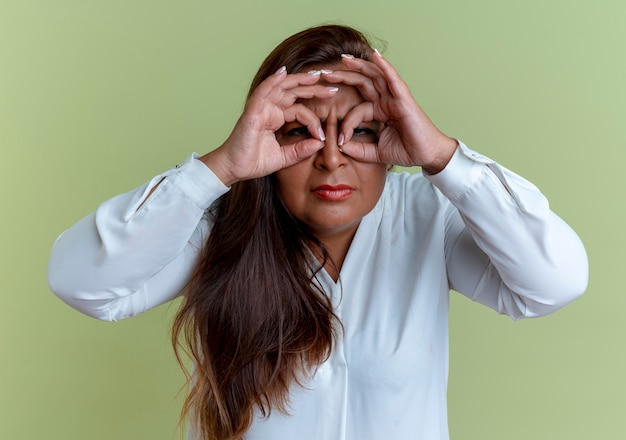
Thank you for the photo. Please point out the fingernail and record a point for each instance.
(340, 150)
(321, 134)
(347, 55)
(340, 140)
(314, 72)
(281, 70)
(377, 53)
(326, 71)
(332, 89)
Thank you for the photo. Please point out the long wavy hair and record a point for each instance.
(253, 320)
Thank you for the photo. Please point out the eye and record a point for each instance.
(363, 131)
(298, 132)
(366, 134)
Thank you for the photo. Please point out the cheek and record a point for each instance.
(290, 183)
(374, 179)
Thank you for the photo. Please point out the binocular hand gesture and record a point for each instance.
(252, 150)
(408, 137)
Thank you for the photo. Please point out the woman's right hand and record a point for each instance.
(252, 149)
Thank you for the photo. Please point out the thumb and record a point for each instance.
(294, 153)
(363, 152)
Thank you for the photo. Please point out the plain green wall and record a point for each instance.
(98, 96)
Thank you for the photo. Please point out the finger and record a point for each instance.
(363, 83)
(396, 84)
(290, 96)
(364, 147)
(368, 69)
(363, 112)
(299, 151)
(394, 87)
(282, 81)
(362, 151)
(302, 78)
(305, 116)
(270, 82)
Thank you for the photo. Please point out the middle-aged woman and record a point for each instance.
(315, 281)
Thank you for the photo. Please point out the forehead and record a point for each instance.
(344, 100)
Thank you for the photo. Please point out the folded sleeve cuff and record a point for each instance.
(463, 170)
(197, 182)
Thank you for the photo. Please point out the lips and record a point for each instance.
(333, 192)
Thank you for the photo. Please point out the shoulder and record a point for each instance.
(409, 199)
(406, 188)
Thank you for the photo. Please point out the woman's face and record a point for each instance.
(330, 192)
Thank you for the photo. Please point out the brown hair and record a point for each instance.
(253, 319)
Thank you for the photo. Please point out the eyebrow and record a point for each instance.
(340, 121)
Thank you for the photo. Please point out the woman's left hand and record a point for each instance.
(408, 137)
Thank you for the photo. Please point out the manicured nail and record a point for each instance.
(321, 134)
(340, 150)
(340, 140)
(377, 53)
(314, 72)
(332, 89)
(281, 70)
(347, 55)
(326, 71)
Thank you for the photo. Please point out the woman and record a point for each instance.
(315, 282)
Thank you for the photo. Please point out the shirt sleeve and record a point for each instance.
(505, 248)
(137, 250)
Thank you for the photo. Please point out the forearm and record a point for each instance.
(117, 251)
(534, 264)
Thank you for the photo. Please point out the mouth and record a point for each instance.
(332, 192)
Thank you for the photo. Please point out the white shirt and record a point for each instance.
(475, 227)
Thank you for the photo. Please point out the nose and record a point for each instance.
(330, 156)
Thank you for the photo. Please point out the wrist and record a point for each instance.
(445, 151)
(218, 164)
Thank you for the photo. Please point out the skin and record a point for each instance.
(329, 191)
(334, 106)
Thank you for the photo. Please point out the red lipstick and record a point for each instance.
(333, 193)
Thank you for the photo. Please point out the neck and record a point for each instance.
(337, 246)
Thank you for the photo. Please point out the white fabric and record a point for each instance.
(475, 227)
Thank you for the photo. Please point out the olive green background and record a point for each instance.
(98, 96)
